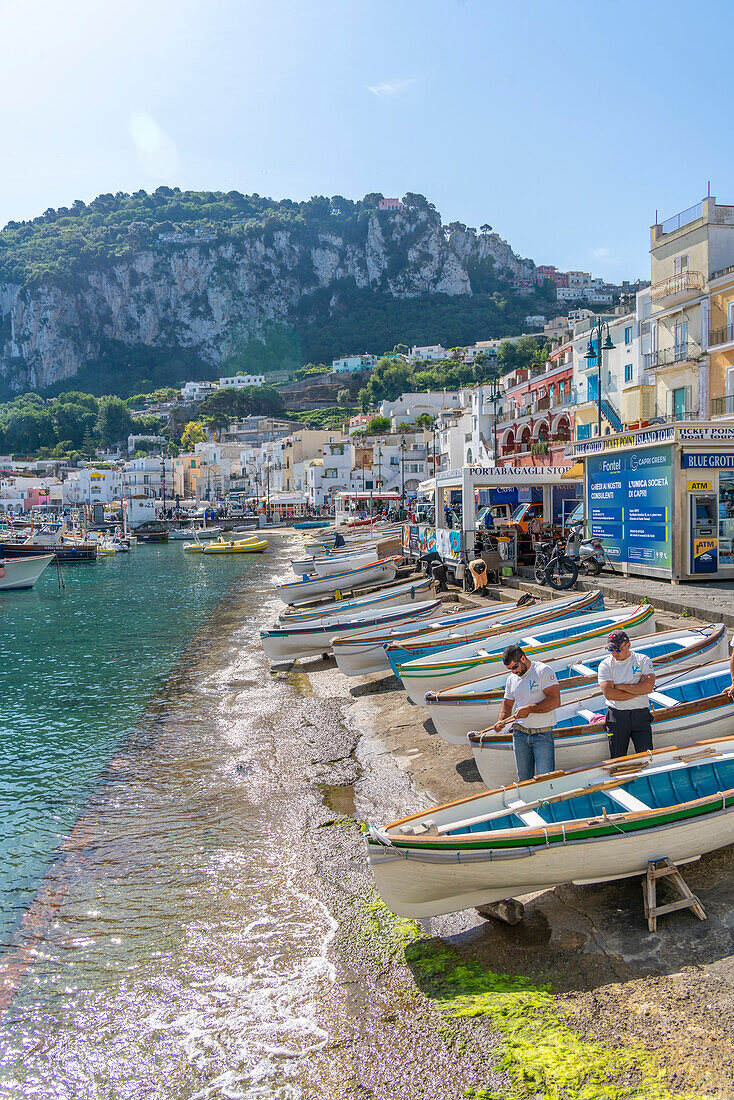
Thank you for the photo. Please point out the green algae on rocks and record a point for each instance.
(542, 1055)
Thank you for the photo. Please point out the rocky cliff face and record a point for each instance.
(211, 296)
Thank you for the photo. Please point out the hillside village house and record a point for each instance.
(350, 363)
(196, 391)
(237, 381)
(409, 406)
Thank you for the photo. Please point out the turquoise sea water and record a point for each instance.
(78, 666)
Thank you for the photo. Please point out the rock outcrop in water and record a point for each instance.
(211, 290)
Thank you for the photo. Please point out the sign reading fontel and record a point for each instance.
(630, 499)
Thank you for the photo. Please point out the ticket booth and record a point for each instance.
(547, 484)
(662, 500)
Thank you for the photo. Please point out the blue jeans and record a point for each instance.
(535, 753)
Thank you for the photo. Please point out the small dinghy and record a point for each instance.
(487, 622)
(684, 707)
(287, 643)
(469, 662)
(379, 572)
(475, 705)
(585, 826)
(357, 656)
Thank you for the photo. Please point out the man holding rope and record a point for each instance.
(531, 697)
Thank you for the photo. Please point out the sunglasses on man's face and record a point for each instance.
(515, 667)
(616, 648)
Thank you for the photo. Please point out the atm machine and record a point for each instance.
(703, 532)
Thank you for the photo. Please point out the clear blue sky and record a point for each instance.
(564, 125)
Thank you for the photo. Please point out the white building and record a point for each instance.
(92, 486)
(409, 406)
(218, 464)
(196, 391)
(237, 381)
(144, 477)
(133, 440)
(430, 351)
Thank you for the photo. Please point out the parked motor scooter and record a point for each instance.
(588, 552)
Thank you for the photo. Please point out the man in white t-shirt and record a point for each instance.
(626, 679)
(532, 695)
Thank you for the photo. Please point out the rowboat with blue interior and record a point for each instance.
(288, 643)
(475, 705)
(468, 662)
(383, 597)
(684, 707)
(332, 563)
(585, 826)
(379, 572)
(366, 652)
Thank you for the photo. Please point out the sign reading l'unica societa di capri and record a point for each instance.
(630, 499)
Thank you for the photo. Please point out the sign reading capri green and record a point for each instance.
(630, 498)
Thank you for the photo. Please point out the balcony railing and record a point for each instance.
(722, 406)
(680, 353)
(721, 335)
(686, 282)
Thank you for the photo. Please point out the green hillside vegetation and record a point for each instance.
(76, 423)
(72, 424)
(59, 243)
(390, 377)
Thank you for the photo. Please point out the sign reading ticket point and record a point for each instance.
(630, 499)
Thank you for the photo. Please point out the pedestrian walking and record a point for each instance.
(626, 679)
(532, 696)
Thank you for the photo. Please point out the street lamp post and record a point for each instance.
(403, 445)
(597, 333)
(494, 395)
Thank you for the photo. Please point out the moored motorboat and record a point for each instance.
(290, 642)
(684, 707)
(475, 705)
(573, 635)
(584, 826)
(23, 572)
(179, 534)
(347, 581)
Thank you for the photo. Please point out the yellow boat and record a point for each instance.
(222, 543)
(249, 547)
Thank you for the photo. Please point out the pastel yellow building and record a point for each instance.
(686, 252)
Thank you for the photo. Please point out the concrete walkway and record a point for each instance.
(713, 601)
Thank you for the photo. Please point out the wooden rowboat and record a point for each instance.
(363, 576)
(422, 644)
(467, 662)
(475, 705)
(368, 651)
(585, 826)
(289, 642)
(384, 597)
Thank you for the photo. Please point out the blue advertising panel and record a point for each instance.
(630, 500)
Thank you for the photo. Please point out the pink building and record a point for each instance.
(356, 423)
(391, 204)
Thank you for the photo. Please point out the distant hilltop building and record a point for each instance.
(195, 391)
(236, 381)
(391, 204)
